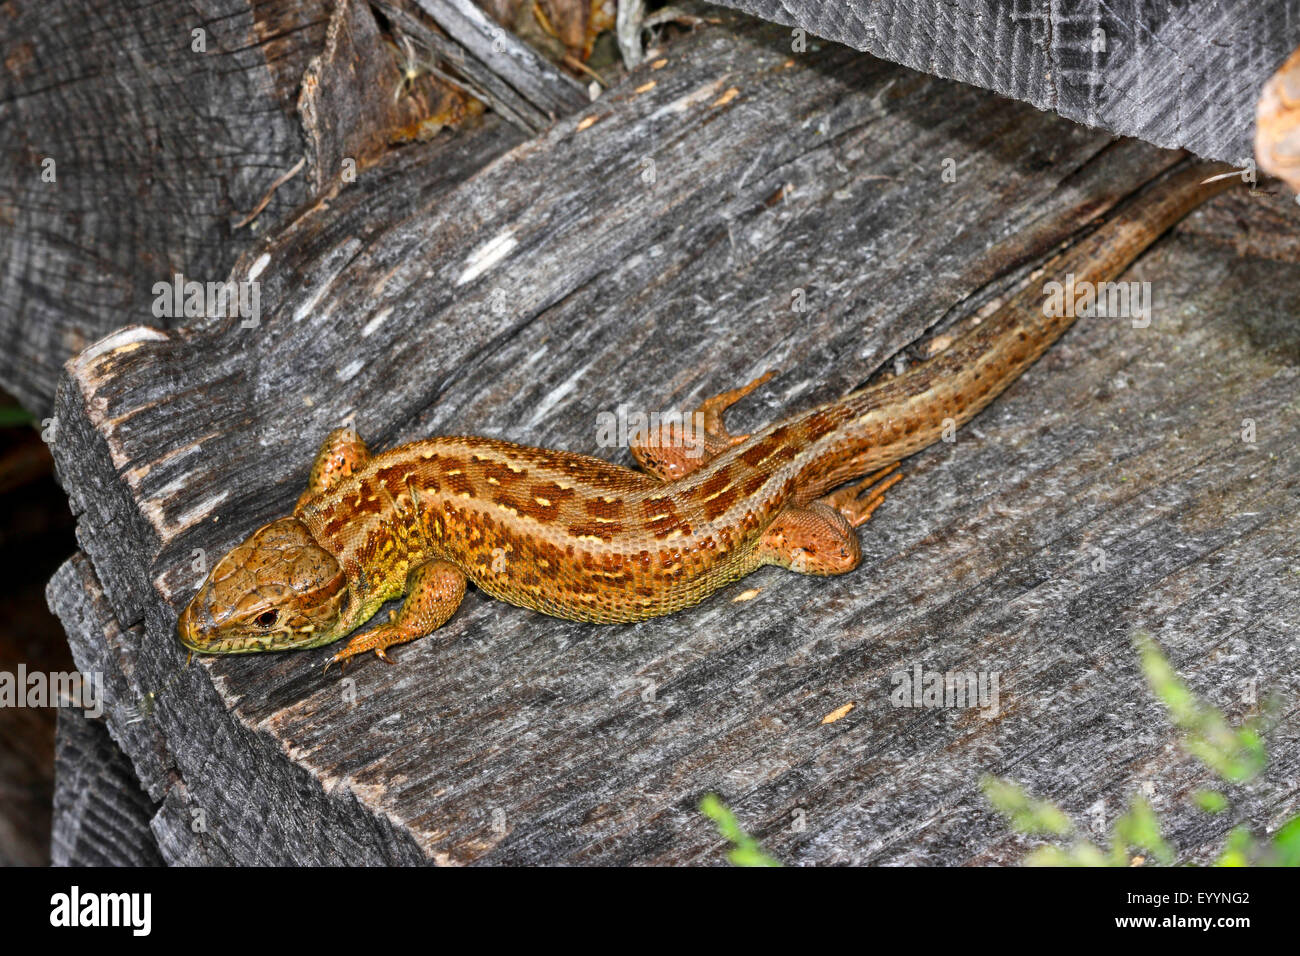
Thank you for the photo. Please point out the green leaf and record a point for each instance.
(1211, 801)
(745, 851)
(1235, 755)
(1139, 828)
(1239, 849)
(1027, 814)
(1286, 843)
(12, 416)
(1079, 854)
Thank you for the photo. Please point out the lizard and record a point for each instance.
(582, 538)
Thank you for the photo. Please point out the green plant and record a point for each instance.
(12, 416)
(745, 850)
(1235, 754)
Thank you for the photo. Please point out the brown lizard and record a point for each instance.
(581, 538)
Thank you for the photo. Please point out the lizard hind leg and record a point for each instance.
(433, 592)
(811, 539)
(341, 453)
(672, 451)
(858, 502)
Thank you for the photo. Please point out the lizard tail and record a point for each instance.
(884, 423)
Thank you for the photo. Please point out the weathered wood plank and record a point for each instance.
(1175, 74)
(150, 139)
(101, 816)
(205, 824)
(648, 251)
(138, 193)
(486, 42)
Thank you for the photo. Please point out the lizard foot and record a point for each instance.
(375, 639)
(673, 451)
(858, 502)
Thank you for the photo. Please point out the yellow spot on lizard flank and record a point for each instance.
(465, 494)
(544, 502)
(607, 520)
(645, 87)
(838, 712)
(587, 122)
(493, 481)
(746, 595)
(562, 485)
(456, 471)
(513, 467)
(726, 97)
(675, 533)
(589, 537)
(608, 499)
(725, 487)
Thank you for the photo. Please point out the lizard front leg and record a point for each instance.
(342, 453)
(670, 452)
(433, 592)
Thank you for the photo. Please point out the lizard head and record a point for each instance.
(277, 590)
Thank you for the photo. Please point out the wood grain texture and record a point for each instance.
(168, 159)
(101, 816)
(653, 247)
(1175, 73)
(503, 56)
(158, 149)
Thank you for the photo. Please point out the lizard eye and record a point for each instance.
(267, 618)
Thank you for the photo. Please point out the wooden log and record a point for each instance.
(101, 816)
(1180, 75)
(136, 194)
(648, 251)
(154, 139)
(503, 56)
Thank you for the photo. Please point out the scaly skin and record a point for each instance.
(581, 538)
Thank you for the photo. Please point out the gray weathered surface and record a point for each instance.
(1172, 72)
(170, 160)
(101, 816)
(157, 151)
(475, 37)
(511, 737)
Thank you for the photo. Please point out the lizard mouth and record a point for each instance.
(198, 631)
